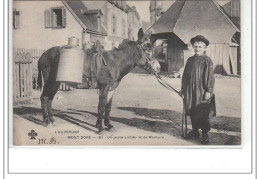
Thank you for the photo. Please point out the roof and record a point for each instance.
(78, 10)
(233, 21)
(186, 19)
(168, 20)
(146, 25)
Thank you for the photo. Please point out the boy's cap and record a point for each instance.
(199, 38)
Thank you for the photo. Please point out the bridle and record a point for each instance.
(149, 62)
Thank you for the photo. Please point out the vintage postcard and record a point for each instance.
(126, 73)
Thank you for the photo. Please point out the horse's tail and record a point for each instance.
(39, 80)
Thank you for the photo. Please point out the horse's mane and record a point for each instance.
(126, 44)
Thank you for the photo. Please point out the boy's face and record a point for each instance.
(199, 47)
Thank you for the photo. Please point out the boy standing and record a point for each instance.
(197, 89)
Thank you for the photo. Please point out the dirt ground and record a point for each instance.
(143, 113)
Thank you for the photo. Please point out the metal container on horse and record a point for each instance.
(71, 64)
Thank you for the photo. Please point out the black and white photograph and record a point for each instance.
(126, 73)
(129, 87)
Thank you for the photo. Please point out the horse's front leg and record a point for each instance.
(52, 93)
(101, 107)
(108, 109)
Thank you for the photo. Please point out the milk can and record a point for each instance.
(71, 63)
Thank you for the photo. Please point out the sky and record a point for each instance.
(143, 8)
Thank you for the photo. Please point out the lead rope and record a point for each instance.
(184, 117)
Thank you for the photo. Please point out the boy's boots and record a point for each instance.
(205, 137)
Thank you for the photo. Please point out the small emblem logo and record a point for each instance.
(32, 134)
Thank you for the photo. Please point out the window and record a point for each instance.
(55, 18)
(99, 23)
(114, 24)
(16, 19)
(123, 28)
(235, 9)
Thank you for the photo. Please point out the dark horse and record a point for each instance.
(119, 62)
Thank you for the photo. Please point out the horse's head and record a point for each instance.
(147, 60)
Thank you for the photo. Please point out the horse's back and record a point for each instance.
(49, 57)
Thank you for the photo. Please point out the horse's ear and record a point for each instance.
(140, 35)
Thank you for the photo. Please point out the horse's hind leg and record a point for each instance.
(49, 90)
(108, 109)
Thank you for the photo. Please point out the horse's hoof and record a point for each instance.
(110, 128)
(101, 133)
(100, 130)
(99, 127)
(53, 124)
(46, 122)
(51, 120)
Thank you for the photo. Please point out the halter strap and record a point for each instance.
(140, 48)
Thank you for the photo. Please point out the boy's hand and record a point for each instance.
(207, 95)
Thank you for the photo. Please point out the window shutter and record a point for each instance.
(238, 9)
(64, 19)
(235, 11)
(54, 19)
(232, 9)
(16, 19)
(47, 15)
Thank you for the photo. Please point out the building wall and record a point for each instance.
(32, 32)
(227, 6)
(155, 7)
(115, 38)
(106, 21)
(133, 24)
